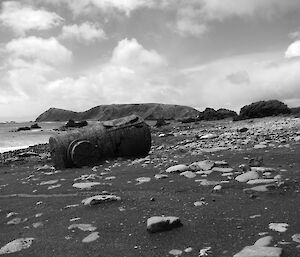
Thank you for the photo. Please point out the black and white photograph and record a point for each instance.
(150, 128)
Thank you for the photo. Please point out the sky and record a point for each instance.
(75, 54)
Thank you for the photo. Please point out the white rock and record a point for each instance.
(259, 251)
(98, 199)
(177, 168)
(162, 223)
(247, 176)
(175, 252)
(261, 181)
(188, 174)
(91, 237)
(259, 146)
(279, 227)
(209, 136)
(83, 227)
(202, 165)
(16, 245)
(143, 180)
(49, 182)
(217, 188)
(262, 169)
(296, 238)
(223, 170)
(160, 176)
(86, 185)
(264, 241)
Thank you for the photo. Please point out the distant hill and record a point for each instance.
(295, 110)
(149, 111)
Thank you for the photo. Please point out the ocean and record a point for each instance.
(10, 140)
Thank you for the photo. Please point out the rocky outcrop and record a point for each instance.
(212, 114)
(149, 111)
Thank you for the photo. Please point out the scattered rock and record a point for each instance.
(83, 227)
(264, 241)
(91, 237)
(247, 176)
(98, 199)
(279, 227)
(162, 223)
(259, 251)
(16, 245)
(86, 185)
(202, 165)
(177, 168)
(175, 252)
(188, 174)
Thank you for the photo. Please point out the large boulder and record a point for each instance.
(263, 109)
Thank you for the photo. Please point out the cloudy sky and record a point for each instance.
(75, 54)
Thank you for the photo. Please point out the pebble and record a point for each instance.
(98, 199)
(259, 251)
(91, 237)
(296, 238)
(259, 146)
(162, 223)
(209, 136)
(264, 241)
(223, 170)
(188, 174)
(279, 227)
(175, 252)
(177, 168)
(247, 176)
(86, 185)
(142, 180)
(83, 227)
(16, 245)
(202, 165)
(160, 176)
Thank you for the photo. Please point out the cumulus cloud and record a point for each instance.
(293, 50)
(35, 48)
(23, 18)
(86, 32)
(267, 76)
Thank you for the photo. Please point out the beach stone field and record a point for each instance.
(216, 189)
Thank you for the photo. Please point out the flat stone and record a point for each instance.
(222, 164)
(175, 252)
(202, 165)
(160, 176)
(261, 181)
(177, 168)
(259, 251)
(91, 237)
(263, 169)
(83, 227)
(223, 170)
(247, 176)
(259, 146)
(279, 227)
(86, 185)
(188, 174)
(162, 223)
(264, 241)
(98, 199)
(16, 245)
(209, 136)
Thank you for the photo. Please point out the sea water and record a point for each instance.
(12, 140)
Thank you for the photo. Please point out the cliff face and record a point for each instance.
(149, 111)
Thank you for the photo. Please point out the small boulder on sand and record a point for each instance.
(162, 223)
(247, 176)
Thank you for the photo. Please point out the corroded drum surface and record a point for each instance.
(126, 137)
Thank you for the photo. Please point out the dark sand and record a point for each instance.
(224, 223)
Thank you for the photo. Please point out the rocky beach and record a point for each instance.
(207, 188)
